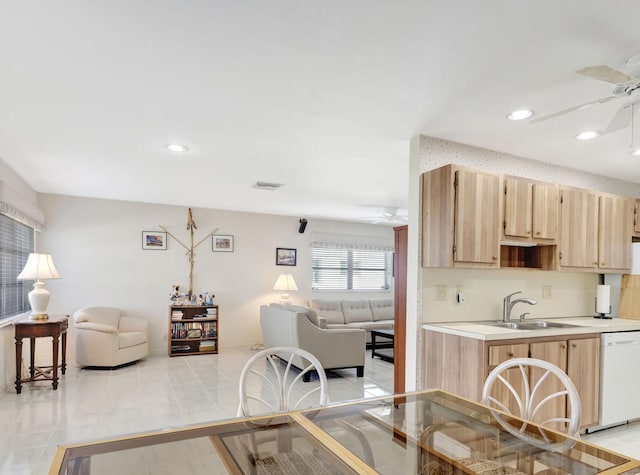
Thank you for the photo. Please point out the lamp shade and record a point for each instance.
(39, 266)
(285, 282)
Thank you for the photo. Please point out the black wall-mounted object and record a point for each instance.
(303, 225)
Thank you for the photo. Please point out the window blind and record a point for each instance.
(16, 242)
(349, 269)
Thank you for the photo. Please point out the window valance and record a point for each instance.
(352, 241)
(16, 207)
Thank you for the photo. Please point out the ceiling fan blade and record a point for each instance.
(622, 117)
(571, 109)
(606, 74)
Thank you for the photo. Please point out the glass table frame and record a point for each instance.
(416, 431)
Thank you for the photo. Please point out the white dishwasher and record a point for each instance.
(619, 377)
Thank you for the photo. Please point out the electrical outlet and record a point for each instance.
(546, 292)
(459, 294)
(441, 292)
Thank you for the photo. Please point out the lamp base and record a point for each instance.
(285, 299)
(39, 299)
(38, 316)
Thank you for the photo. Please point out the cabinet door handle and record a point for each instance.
(573, 345)
(563, 346)
(510, 355)
(603, 263)
(528, 232)
(494, 258)
(537, 233)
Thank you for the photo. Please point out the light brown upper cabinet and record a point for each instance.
(614, 233)
(460, 218)
(595, 231)
(578, 249)
(530, 211)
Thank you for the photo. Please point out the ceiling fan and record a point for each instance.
(625, 86)
(389, 215)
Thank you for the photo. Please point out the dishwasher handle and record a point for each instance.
(624, 342)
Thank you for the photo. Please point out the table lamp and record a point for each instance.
(39, 266)
(285, 282)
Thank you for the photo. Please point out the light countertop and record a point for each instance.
(583, 325)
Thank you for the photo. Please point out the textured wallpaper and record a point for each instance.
(435, 153)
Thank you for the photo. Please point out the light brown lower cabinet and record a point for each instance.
(583, 367)
(460, 365)
(500, 354)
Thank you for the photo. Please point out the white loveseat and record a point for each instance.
(299, 327)
(105, 337)
(367, 314)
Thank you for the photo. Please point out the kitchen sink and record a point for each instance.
(530, 325)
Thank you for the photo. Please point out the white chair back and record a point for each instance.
(276, 387)
(529, 386)
(103, 315)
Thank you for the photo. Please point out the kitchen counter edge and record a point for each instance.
(584, 325)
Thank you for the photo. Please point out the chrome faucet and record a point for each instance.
(508, 304)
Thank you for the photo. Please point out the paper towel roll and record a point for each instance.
(603, 299)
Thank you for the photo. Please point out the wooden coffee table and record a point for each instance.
(384, 350)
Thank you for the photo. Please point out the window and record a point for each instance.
(350, 269)
(16, 242)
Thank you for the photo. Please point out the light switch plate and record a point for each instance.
(441, 292)
(546, 292)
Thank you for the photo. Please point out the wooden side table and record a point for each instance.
(54, 327)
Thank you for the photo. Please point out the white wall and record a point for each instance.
(572, 294)
(17, 193)
(96, 246)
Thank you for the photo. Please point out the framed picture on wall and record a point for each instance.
(285, 256)
(222, 243)
(154, 240)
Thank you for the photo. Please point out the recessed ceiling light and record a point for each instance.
(520, 114)
(176, 147)
(589, 134)
(636, 152)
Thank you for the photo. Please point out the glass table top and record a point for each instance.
(429, 432)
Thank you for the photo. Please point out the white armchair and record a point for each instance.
(105, 337)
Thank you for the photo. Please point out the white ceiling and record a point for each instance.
(321, 96)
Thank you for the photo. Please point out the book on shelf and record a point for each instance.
(180, 347)
(207, 345)
(176, 315)
(212, 311)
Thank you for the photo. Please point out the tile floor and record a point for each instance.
(155, 393)
(164, 392)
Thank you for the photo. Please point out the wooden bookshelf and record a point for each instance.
(193, 329)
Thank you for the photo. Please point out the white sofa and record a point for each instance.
(367, 314)
(299, 327)
(106, 338)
